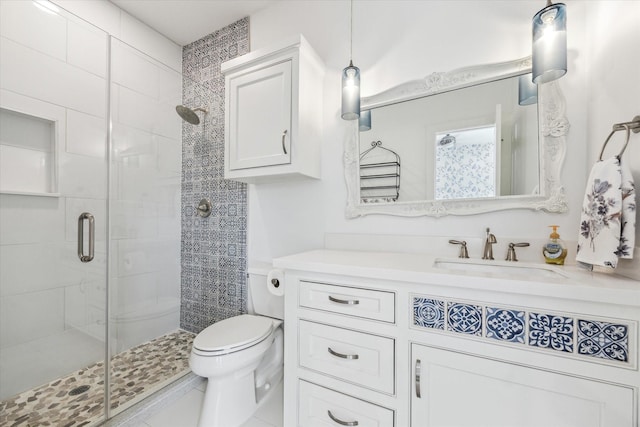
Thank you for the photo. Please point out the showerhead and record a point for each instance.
(189, 115)
(446, 140)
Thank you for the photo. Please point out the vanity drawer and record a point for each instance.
(367, 303)
(356, 357)
(320, 406)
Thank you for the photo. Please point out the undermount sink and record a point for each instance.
(505, 268)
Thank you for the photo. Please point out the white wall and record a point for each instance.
(614, 89)
(394, 42)
(118, 23)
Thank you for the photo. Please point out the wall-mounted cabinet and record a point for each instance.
(273, 113)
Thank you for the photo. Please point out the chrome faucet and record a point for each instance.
(463, 248)
(511, 252)
(487, 252)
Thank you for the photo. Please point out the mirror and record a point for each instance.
(458, 143)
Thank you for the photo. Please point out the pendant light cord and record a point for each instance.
(351, 34)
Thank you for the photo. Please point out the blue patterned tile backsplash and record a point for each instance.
(465, 318)
(603, 339)
(595, 340)
(214, 249)
(550, 331)
(428, 313)
(506, 325)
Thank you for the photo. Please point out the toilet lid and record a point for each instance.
(234, 332)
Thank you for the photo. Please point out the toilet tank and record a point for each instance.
(261, 301)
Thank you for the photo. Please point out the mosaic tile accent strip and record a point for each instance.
(603, 339)
(549, 331)
(598, 340)
(465, 318)
(505, 325)
(428, 313)
(214, 249)
(136, 373)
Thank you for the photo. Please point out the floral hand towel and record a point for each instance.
(607, 223)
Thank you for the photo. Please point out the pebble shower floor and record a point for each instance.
(135, 372)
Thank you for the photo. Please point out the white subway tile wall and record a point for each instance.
(54, 65)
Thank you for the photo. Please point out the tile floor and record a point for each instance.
(136, 373)
(184, 411)
(29, 365)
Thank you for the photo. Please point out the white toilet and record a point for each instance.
(242, 358)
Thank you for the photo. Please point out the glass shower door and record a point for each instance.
(53, 215)
(146, 348)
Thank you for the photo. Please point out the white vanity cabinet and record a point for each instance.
(384, 340)
(273, 113)
(457, 389)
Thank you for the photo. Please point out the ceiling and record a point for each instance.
(185, 21)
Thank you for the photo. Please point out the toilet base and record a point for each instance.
(228, 402)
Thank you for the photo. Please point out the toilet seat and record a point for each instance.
(233, 334)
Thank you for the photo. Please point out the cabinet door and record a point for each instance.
(260, 117)
(468, 391)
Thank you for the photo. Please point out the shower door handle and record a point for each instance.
(92, 234)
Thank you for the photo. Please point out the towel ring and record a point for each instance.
(624, 147)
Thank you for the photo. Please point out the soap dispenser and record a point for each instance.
(554, 251)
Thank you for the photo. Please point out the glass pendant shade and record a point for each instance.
(351, 92)
(364, 121)
(527, 90)
(549, 43)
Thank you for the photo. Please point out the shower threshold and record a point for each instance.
(77, 399)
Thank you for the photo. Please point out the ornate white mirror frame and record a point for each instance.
(552, 128)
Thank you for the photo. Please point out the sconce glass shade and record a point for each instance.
(527, 90)
(364, 121)
(549, 43)
(351, 92)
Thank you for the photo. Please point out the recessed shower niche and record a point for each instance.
(27, 154)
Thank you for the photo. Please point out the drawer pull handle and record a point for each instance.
(339, 421)
(344, 301)
(418, 394)
(343, 356)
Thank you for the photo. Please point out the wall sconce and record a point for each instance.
(549, 43)
(364, 121)
(527, 90)
(351, 83)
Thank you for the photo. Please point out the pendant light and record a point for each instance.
(364, 121)
(549, 43)
(527, 90)
(351, 83)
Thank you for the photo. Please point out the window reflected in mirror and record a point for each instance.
(465, 163)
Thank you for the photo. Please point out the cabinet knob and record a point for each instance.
(284, 147)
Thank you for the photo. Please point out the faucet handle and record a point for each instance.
(511, 252)
(463, 248)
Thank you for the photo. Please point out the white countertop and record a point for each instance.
(571, 283)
